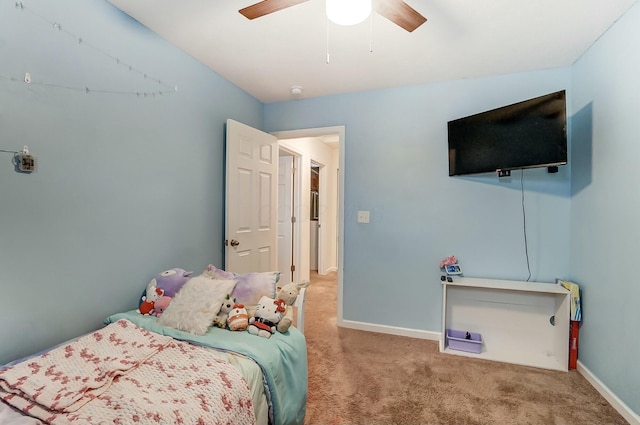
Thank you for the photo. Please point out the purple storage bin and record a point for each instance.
(457, 341)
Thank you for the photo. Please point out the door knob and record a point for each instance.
(234, 242)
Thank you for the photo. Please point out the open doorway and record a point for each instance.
(317, 223)
(314, 217)
(317, 150)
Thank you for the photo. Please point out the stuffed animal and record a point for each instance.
(289, 293)
(171, 281)
(161, 305)
(227, 305)
(215, 273)
(149, 299)
(265, 320)
(238, 318)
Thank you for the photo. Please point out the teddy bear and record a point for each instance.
(238, 318)
(148, 300)
(265, 320)
(289, 293)
(161, 305)
(227, 305)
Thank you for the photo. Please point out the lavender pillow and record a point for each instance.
(250, 287)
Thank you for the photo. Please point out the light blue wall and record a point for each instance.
(127, 186)
(396, 167)
(605, 206)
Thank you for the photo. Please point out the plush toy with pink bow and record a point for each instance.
(451, 268)
(448, 261)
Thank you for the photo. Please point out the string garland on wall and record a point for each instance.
(163, 88)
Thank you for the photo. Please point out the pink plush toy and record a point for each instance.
(448, 261)
(161, 305)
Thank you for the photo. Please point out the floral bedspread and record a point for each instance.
(124, 374)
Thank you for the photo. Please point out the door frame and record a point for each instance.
(296, 208)
(316, 132)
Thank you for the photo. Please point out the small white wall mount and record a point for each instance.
(27, 78)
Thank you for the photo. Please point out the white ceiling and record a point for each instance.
(461, 39)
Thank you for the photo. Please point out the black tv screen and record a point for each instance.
(528, 134)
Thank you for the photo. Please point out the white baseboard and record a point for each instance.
(613, 399)
(391, 330)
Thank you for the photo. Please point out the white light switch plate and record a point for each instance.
(363, 216)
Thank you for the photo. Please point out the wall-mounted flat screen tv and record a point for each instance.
(528, 134)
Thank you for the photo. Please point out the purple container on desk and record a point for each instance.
(457, 341)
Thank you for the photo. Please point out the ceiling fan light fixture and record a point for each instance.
(348, 12)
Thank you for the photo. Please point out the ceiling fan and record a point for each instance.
(397, 11)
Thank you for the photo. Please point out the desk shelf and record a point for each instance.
(514, 318)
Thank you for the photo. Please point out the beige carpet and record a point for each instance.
(366, 378)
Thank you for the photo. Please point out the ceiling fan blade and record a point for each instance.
(267, 6)
(400, 13)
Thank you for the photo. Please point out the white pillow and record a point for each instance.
(196, 304)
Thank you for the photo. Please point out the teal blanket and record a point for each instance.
(282, 358)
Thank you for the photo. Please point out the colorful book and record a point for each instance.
(574, 289)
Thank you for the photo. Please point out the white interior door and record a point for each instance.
(285, 219)
(251, 199)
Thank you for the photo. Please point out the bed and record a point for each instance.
(136, 371)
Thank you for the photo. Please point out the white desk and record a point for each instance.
(513, 317)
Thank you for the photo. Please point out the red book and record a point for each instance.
(573, 344)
